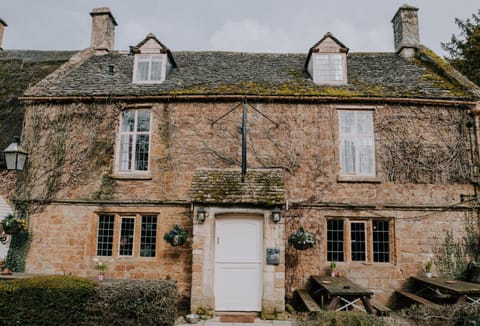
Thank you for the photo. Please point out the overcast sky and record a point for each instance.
(247, 25)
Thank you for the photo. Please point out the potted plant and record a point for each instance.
(102, 267)
(12, 225)
(333, 267)
(301, 239)
(176, 236)
(428, 268)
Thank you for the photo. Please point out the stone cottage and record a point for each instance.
(374, 153)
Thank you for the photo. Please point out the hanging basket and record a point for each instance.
(11, 230)
(177, 240)
(302, 246)
(176, 236)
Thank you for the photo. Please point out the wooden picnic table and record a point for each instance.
(340, 291)
(439, 288)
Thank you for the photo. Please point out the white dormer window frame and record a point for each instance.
(330, 68)
(149, 68)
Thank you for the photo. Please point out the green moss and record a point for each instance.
(106, 189)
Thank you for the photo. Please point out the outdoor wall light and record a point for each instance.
(201, 214)
(15, 155)
(276, 215)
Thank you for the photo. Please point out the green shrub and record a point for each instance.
(44, 300)
(134, 302)
(341, 318)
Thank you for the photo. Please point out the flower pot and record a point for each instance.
(302, 246)
(101, 277)
(333, 273)
(11, 230)
(428, 274)
(177, 241)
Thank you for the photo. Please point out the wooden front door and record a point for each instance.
(238, 263)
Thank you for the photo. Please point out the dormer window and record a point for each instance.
(148, 68)
(153, 61)
(327, 61)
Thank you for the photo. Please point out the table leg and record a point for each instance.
(333, 304)
(367, 305)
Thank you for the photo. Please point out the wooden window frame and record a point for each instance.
(347, 244)
(117, 224)
(150, 56)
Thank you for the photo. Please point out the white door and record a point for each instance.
(238, 263)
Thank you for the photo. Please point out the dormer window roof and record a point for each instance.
(153, 61)
(327, 61)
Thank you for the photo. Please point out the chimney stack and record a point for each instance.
(3, 24)
(405, 31)
(103, 30)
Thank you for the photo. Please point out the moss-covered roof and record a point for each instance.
(260, 187)
(18, 71)
(232, 73)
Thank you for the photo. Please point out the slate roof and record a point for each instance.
(235, 73)
(20, 69)
(260, 187)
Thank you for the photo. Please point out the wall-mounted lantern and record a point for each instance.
(201, 215)
(15, 155)
(276, 215)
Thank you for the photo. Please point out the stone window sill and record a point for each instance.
(131, 176)
(357, 179)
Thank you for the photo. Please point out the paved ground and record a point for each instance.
(258, 322)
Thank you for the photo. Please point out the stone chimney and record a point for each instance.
(3, 24)
(103, 30)
(405, 31)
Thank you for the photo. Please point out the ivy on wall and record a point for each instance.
(17, 252)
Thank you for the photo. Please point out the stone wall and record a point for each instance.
(72, 160)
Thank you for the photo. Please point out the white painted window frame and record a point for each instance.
(134, 133)
(330, 67)
(150, 57)
(357, 139)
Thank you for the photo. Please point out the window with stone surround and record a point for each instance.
(133, 235)
(359, 240)
(357, 145)
(133, 148)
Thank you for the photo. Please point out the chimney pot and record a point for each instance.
(3, 24)
(405, 31)
(103, 30)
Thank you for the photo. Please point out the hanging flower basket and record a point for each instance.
(12, 225)
(301, 239)
(176, 236)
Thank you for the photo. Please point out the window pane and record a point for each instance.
(128, 120)
(336, 67)
(156, 68)
(348, 156)
(126, 142)
(365, 155)
(127, 236)
(335, 250)
(105, 235)
(357, 231)
(142, 69)
(148, 239)
(143, 123)
(381, 241)
(329, 67)
(364, 123)
(141, 153)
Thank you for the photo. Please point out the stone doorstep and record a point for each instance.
(256, 322)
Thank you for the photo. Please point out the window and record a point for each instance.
(117, 235)
(134, 144)
(329, 68)
(148, 68)
(358, 240)
(357, 153)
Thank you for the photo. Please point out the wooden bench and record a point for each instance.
(381, 309)
(415, 298)
(308, 300)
